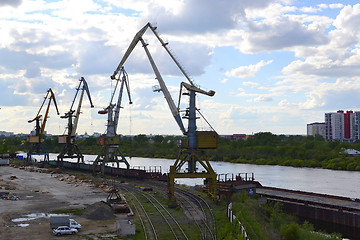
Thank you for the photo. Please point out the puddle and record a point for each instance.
(36, 215)
(22, 219)
(29, 217)
(23, 225)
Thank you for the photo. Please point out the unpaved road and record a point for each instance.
(42, 193)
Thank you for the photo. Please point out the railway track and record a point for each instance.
(195, 208)
(200, 212)
(156, 220)
(153, 212)
(145, 220)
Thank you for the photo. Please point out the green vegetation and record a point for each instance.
(224, 229)
(297, 151)
(267, 221)
(264, 148)
(75, 211)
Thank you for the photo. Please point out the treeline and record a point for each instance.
(264, 148)
(138, 146)
(297, 151)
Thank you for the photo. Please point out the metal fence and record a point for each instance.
(232, 217)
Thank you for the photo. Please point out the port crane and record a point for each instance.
(70, 149)
(110, 141)
(37, 147)
(194, 142)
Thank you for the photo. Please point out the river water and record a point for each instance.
(333, 182)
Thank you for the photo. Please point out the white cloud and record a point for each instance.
(247, 71)
(309, 9)
(12, 3)
(224, 80)
(336, 5)
(263, 99)
(337, 58)
(250, 84)
(51, 44)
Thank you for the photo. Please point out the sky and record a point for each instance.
(275, 65)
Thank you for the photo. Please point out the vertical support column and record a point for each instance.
(192, 132)
(171, 183)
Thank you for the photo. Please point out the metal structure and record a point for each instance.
(70, 149)
(37, 147)
(110, 142)
(194, 142)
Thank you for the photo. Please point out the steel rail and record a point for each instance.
(161, 213)
(188, 206)
(175, 221)
(212, 220)
(141, 220)
(143, 209)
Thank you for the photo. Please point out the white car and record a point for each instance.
(62, 230)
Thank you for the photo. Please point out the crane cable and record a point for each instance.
(130, 128)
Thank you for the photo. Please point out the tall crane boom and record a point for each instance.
(175, 111)
(110, 142)
(138, 37)
(85, 88)
(37, 148)
(125, 83)
(164, 44)
(191, 148)
(130, 49)
(113, 121)
(70, 149)
(38, 115)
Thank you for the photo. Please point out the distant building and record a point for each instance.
(342, 126)
(235, 137)
(96, 134)
(316, 128)
(83, 136)
(33, 133)
(6, 134)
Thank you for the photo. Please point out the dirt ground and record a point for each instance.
(41, 193)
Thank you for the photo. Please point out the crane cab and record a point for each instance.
(204, 139)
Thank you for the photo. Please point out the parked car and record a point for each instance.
(63, 220)
(62, 230)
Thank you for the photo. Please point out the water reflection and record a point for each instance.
(341, 183)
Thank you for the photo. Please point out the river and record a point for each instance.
(333, 182)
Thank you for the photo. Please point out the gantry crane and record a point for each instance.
(110, 141)
(70, 149)
(37, 147)
(194, 142)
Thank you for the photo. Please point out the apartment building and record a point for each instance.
(316, 129)
(342, 126)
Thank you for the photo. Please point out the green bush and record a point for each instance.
(290, 232)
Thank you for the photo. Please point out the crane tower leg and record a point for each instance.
(186, 156)
(107, 155)
(191, 155)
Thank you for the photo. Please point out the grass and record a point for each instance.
(267, 221)
(74, 211)
(224, 229)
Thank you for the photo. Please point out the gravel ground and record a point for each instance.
(40, 194)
